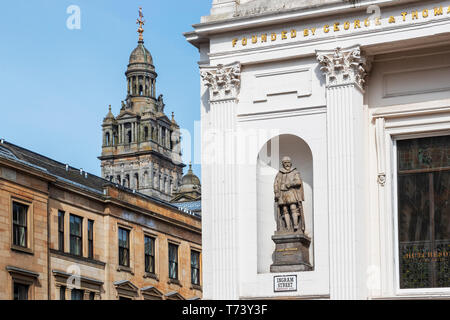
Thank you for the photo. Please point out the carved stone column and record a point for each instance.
(345, 72)
(219, 170)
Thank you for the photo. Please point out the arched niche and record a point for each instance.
(268, 165)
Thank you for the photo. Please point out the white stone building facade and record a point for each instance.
(357, 93)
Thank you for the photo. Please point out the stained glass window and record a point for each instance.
(424, 212)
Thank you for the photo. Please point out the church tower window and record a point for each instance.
(107, 139)
(127, 181)
(136, 181)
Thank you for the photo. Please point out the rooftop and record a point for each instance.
(68, 174)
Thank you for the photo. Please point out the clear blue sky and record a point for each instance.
(56, 83)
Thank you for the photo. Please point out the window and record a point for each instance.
(90, 239)
(163, 137)
(20, 224)
(149, 254)
(145, 133)
(77, 294)
(61, 230)
(424, 212)
(76, 238)
(20, 291)
(107, 139)
(173, 261)
(62, 293)
(124, 247)
(136, 181)
(91, 295)
(195, 267)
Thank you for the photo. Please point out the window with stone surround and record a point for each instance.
(124, 247)
(149, 254)
(77, 294)
(173, 261)
(76, 235)
(424, 212)
(21, 291)
(90, 239)
(195, 267)
(62, 293)
(61, 215)
(20, 224)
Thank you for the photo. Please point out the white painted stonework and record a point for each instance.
(335, 98)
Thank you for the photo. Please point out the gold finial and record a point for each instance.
(141, 23)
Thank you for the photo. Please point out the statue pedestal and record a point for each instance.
(291, 253)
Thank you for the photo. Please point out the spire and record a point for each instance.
(190, 167)
(141, 23)
(109, 115)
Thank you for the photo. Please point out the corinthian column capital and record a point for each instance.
(343, 66)
(223, 81)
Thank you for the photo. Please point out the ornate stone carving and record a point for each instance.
(224, 81)
(343, 66)
(381, 179)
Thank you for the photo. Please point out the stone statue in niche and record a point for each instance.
(289, 195)
(291, 242)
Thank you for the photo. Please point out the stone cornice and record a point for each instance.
(223, 81)
(207, 28)
(343, 66)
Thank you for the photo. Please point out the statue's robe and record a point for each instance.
(288, 187)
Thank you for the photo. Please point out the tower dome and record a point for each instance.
(141, 75)
(141, 55)
(190, 181)
(190, 189)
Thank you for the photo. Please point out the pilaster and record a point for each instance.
(345, 72)
(219, 161)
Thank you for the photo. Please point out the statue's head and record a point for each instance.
(286, 162)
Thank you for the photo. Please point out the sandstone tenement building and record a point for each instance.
(67, 234)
